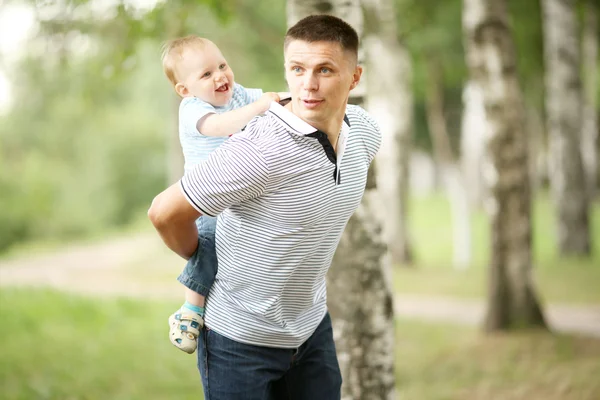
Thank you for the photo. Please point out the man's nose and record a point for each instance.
(310, 82)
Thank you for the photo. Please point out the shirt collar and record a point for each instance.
(297, 125)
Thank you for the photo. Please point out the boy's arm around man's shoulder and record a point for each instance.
(230, 122)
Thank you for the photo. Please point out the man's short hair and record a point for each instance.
(172, 52)
(324, 28)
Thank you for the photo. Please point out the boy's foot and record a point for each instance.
(185, 328)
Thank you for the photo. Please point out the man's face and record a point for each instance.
(205, 74)
(320, 76)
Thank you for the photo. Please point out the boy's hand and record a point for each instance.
(266, 100)
(284, 95)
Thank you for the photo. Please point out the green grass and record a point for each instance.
(557, 280)
(61, 347)
(55, 346)
(443, 362)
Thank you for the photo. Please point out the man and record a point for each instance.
(284, 190)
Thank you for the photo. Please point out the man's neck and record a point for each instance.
(333, 128)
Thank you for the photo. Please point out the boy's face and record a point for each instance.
(320, 76)
(204, 73)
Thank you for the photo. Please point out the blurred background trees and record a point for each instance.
(84, 140)
(488, 108)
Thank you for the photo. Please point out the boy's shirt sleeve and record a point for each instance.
(191, 111)
(249, 95)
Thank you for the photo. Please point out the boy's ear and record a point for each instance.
(181, 90)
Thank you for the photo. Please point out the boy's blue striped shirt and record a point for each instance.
(197, 147)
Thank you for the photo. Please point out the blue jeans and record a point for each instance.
(201, 269)
(235, 371)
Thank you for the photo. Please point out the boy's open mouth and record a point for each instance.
(223, 88)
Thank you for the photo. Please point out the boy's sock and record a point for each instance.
(198, 310)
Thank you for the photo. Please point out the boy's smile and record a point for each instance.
(204, 73)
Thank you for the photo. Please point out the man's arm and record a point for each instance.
(233, 121)
(174, 219)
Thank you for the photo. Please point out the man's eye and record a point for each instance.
(296, 69)
(325, 70)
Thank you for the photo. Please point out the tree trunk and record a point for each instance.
(390, 102)
(589, 139)
(451, 175)
(472, 144)
(563, 107)
(490, 56)
(538, 149)
(359, 298)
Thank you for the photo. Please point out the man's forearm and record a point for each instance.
(174, 219)
(182, 240)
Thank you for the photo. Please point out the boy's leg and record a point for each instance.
(198, 276)
(236, 371)
(200, 271)
(315, 372)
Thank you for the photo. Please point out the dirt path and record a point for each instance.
(140, 266)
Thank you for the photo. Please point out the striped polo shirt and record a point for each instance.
(283, 198)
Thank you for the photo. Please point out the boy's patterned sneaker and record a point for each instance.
(184, 330)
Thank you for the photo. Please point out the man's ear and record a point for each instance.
(356, 76)
(181, 90)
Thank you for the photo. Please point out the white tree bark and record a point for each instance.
(359, 295)
(390, 102)
(564, 113)
(589, 139)
(491, 59)
(472, 144)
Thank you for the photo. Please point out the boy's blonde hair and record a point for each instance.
(172, 52)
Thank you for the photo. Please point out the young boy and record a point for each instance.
(213, 107)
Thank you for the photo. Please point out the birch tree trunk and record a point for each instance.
(589, 140)
(360, 300)
(452, 177)
(563, 107)
(390, 102)
(472, 146)
(490, 56)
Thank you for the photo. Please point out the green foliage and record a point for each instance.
(73, 162)
(84, 147)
